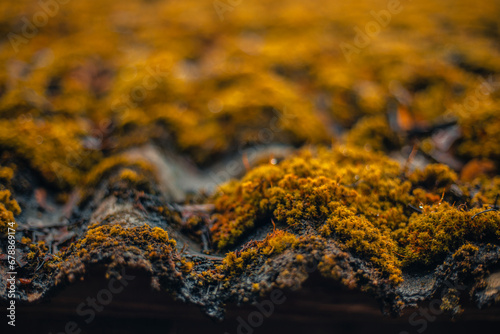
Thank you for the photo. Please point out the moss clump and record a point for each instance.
(360, 236)
(142, 242)
(443, 228)
(128, 178)
(430, 184)
(109, 165)
(489, 190)
(130, 174)
(309, 187)
(275, 243)
(350, 195)
(436, 177)
(54, 148)
(373, 133)
(6, 174)
(153, 239)
(37, 252)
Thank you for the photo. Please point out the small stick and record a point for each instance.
(414, 208)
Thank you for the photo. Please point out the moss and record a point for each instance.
(309, 187)
(443, 228)
(204, 91)
(130, 179)
(437, 177)
(429, 185)
(221, 118)
(151, 243)
(8, 206)
(359, 236)
(109, 165)
(357, 198)
(451, 302)
(55, 149)
(480, 139)
(37, 252)
(330, 190)
(6, 174)
(373, 133)
(275, 243)
(489, 190)
(210, 90)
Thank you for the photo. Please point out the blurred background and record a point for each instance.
(205, 77)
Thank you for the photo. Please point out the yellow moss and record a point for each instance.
(274, 243)
(309, 187)
(187, 266)
(154, 241)
(373, 133)
(129, 178)
(443, 228)
(37, 253)
(209, 91)
(479, 127)
(108, 165)
(489, 189)
(359, 236)
(55, 149)
(437, 177)
(360, 199)
(8, 206)
(221, 117)
(6, 174)
(451, 302)
(278, 242)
